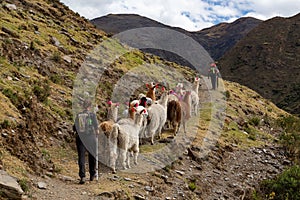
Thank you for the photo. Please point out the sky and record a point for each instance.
(192, 15)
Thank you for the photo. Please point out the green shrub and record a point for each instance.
(291, 144)
(227, 94)
(290, 138)
(55, 78)
(192, 186)
(41, 90)
(5, 124)
(56, 57)
(289, 123)
(24, 185)
(286, 186)
(254, 121)
(46, 155)
(11, 95)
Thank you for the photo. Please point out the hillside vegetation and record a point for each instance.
(268, 55)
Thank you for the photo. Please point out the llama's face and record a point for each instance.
(140, 114)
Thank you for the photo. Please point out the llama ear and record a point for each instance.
(109, 102)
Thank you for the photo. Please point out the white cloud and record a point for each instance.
(191, 15)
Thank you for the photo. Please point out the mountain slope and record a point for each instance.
(267, 60)
(220, 38)
(43, 46)
(43, 43)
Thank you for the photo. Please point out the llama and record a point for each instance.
(176, 94)
(174, 115)
(128, 112)
(105, 128)
(126, 138)
(195, 96)
(186, 109)
(151, 90)
(112, 115)
(157, 117)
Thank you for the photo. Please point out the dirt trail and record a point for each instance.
(225, 172)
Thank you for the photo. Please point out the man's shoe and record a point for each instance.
(93, 177)
(82, 180)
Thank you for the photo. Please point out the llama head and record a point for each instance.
(140, 113)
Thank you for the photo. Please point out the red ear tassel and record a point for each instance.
(147, 85)
(109, 102)
(163, 88)
(156, 86)
(132, 109)
(117, 104)
(136, 105)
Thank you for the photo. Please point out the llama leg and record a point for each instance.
(113, 157)
(136, 153)
(135, 157)
(128, 159)
(123, 158)
(184, 130)
(152, 137)
(175, 128)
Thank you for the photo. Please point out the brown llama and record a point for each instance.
(174, 115)
(151, 90)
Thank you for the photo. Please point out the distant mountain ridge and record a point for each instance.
(263, 55)
(216, 40)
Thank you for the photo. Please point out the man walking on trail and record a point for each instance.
(213, 74)
(86, 127)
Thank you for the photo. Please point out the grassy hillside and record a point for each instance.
(267, 60)
(43, 45)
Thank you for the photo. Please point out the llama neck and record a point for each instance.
(187, 98)
(151, 94)
(164, 100)
(131, 113)
(138, 119)
(112, 113)
(196, 86)
(115, 114)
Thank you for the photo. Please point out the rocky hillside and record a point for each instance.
(216, 40)
(220, 38)
(43, 45)
(267, 60)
